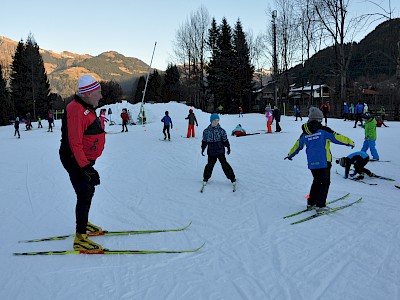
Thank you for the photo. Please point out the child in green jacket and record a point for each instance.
(370, 135)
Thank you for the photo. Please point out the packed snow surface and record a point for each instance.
(251, 252)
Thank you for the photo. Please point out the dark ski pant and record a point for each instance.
(166, 129)
(325, 117)
(84, 191)
(17, 132)
(358, 118)
(320, 186)
(278, 127)
(124, 125)
(359, 166)
(226, 167)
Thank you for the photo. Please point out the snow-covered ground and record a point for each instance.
(251, 252)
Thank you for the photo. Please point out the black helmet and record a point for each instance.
(366, 116)
(341, 162)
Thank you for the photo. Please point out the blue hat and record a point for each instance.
(214, 117)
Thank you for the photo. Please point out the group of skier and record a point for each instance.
(317, 139)
(83, 139)
(28, 123)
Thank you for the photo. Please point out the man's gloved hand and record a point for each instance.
(229, 151)
(202, 153)
(287, 157)
(91, 174)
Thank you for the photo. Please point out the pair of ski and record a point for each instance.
(319, 215)
(205, 183)
(374, 176)
(356, 179)
(107, 251)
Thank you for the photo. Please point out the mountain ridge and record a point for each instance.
(63, 69)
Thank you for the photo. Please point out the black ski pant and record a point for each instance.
(17, 132)
(359, 166)
(278, 127)
(358, 118)
(166, 129)
(325, 117)
(320, 186)
(84, 192)
(226, 167)
(124, 125)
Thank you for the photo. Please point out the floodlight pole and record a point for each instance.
(145, 86)
(275, 59)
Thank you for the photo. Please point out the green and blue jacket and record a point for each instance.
(317, 139)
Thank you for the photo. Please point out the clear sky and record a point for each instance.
(129, 27)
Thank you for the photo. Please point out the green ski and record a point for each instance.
(331, 211)
(105, 232)
(304, 210)
(108, 252)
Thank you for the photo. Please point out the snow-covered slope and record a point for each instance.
(251, 252)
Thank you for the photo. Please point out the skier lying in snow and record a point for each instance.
(238, 130)
(359, 159)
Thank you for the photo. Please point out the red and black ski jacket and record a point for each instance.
(82, 136)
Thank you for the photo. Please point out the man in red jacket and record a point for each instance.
(82, 142)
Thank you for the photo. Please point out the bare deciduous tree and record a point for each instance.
(190, 51)
(341, 29)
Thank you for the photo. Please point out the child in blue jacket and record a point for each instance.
(167, 122)
(317, 139)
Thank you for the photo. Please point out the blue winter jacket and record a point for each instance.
(215, 139)
(360, 153)
(317, 139)
(359, 108)
(167, 120)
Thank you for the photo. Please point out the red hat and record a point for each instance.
(190, 110)
(87, 84)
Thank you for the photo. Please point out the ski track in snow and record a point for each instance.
(250, 251)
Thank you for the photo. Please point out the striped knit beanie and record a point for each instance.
(87, 84)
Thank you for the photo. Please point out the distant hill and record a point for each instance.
(64, 69)
(373, 59)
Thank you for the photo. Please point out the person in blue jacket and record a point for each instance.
(167, 122)
(317, 139)
(345, 111)
(358, 112)
(359, 159)
(215, 140)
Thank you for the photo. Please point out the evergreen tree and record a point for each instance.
(138, 95)
(221, 70)
(213, 36)
(111, 92)
(6, 107)
(244, 70)
(29, 85)
(153, 92)
(39, 84)
(18, 80)
(171, 85)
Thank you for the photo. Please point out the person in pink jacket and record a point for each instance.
(270, 119)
